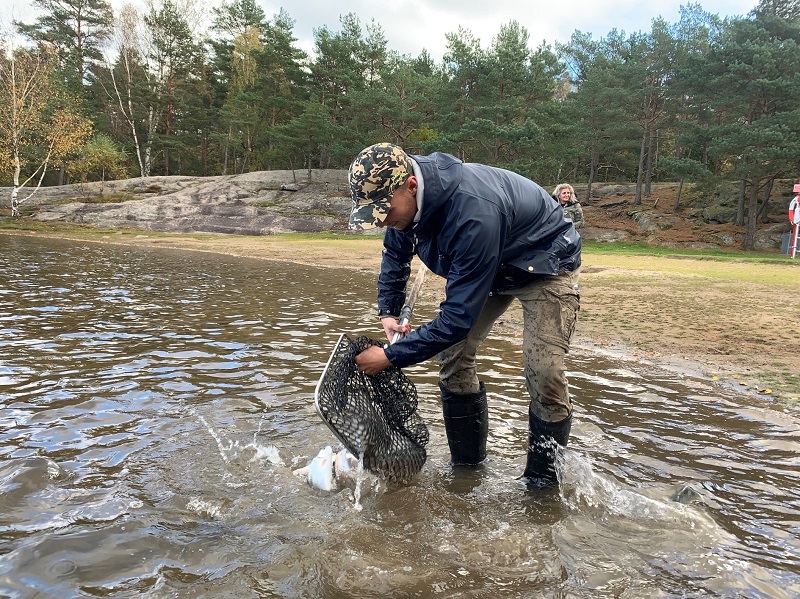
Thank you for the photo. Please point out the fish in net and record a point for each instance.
(375, 417)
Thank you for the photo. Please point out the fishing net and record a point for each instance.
(375, 417)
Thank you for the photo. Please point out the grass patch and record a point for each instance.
(32, 225)
(24, 211)
(643, 249)
(709, 266)
(88, 232)
(328, 236)
(111, 198)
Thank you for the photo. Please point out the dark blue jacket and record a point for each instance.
(482, 228)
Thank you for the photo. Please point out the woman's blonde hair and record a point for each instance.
(559, 188)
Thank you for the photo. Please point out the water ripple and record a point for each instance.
(154, 404)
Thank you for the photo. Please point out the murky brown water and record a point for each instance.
(153, 404)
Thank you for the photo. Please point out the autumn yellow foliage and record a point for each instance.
(39, 123)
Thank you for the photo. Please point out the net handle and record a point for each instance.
(408, 308)
(342, 339)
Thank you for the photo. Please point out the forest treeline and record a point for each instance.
(87, 93)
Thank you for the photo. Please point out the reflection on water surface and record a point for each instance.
(153, 404)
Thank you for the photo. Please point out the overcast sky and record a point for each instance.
(411, 25)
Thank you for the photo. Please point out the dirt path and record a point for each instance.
(729, 323)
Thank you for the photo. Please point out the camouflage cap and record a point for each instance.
(375, 174)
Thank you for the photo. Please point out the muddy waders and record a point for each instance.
(542, 439)
(466, 421)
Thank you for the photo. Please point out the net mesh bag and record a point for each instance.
(375, 417)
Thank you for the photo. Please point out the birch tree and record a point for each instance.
(171, 56)
(129, 83)
(38, 123)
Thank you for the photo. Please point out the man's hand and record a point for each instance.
(372, 360)
(391, 326)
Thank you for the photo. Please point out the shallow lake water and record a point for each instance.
(153, 404)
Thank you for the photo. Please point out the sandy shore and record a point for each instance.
(725, 322)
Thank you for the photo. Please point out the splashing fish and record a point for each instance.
(322, 471)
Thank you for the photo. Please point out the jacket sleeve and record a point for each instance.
(578, 219)
(474, 252)
(398, 250)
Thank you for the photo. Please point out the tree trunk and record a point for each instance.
(14, 201)
(648, 180)
(740, 204)
(248, 151)
(204, 154)
(592, 172)
(227, 145)
(678, 196)
(640, 170)
(763, 213)
(752, 214)
(15, 188)
(127, 112)
(168, 132)
(148, 149)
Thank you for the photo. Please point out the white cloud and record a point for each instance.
(411, 25)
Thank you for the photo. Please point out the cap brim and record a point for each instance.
(368, 216)
(356, 225)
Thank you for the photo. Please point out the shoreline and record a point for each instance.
(631, 312)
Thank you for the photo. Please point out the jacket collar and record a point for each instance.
(440, 174)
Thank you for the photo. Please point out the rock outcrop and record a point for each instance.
(258, 203)
(270, 202)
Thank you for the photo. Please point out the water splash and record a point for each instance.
(204, 508)
(582, 486)
(360, 478)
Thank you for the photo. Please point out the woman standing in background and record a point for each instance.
(565, 195)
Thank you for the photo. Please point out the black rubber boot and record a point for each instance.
(466, 421)
(540, 469)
